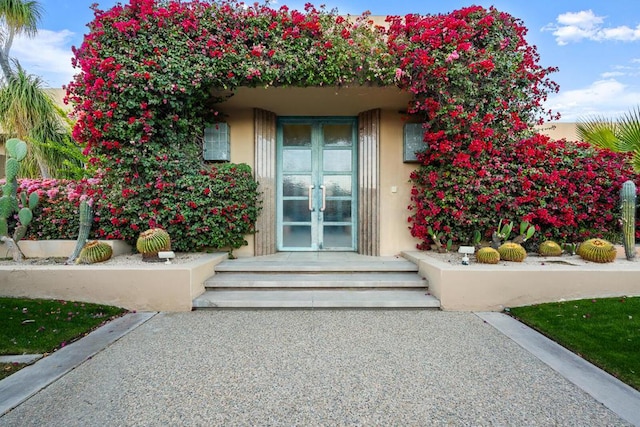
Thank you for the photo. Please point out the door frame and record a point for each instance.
(317, 121)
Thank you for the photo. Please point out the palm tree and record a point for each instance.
(622, 135)
(16, 17)
(30, 114)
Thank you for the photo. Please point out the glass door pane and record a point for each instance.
(317, 194)
(296, 216)
(338, 141)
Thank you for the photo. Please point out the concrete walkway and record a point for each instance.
(322, 368)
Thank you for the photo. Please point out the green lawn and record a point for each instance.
(604, 331)
(33, 326)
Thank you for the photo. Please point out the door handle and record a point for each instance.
(311, 187)
(324, 197)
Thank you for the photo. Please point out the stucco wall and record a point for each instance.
(394, 176)
(560, 130)
(395, 191)
(240, 122)
(395, 188)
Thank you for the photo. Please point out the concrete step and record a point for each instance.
(251, 265)
(320, 299)
(316, 280)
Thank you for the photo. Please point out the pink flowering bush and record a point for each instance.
(149, 73)
(57, 213)
(479, 91)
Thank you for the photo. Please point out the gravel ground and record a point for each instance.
(312, 368)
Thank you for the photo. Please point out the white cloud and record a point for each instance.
(611, 74)
(586, 25)
(47, 55)
(582, 19)
(607, 97)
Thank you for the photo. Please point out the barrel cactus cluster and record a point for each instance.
(153, 241)
(549, 248)
(512, 252)
(93, 252)
(487, 255)
(597, 250)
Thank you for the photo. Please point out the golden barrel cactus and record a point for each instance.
(153, 241)
(549, 248)
(512, 252)
(93, 252)
(487, 255)
(597, 250)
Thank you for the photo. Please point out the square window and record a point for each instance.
(413, 141)
(216, 146)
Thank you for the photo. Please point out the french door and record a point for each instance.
(317, 184)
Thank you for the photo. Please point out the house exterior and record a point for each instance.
(331, 166)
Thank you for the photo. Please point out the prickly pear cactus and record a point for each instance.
(93, 252)
(153, 241)
(487, 255)
(597, 250)
(549, 248)
(628, 198)
(15, 150)
(512, 252)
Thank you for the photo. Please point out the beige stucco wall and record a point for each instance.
(481, 287)
(395, 188)
(394, 174)
(152, 287)
(558, 130)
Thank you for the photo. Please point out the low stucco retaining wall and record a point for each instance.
(479, 287)
(62, 248)
(153, 287)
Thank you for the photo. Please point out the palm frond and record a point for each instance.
(29, 113)
(21, 17)
(599, 132)
(629, 130)
(635, 161)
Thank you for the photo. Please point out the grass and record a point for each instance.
(36, 326)
(606, 331)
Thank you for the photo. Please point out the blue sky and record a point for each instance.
(595, 44)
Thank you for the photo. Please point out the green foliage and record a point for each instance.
(620, 135)
(570, 248)
(210, 209)
(30, 113)
(604, 331)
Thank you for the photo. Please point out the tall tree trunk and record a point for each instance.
(4, 56)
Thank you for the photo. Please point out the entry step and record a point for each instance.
(238, 265)
(350, 298)
(316, 280)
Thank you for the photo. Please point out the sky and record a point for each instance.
(595, 44)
